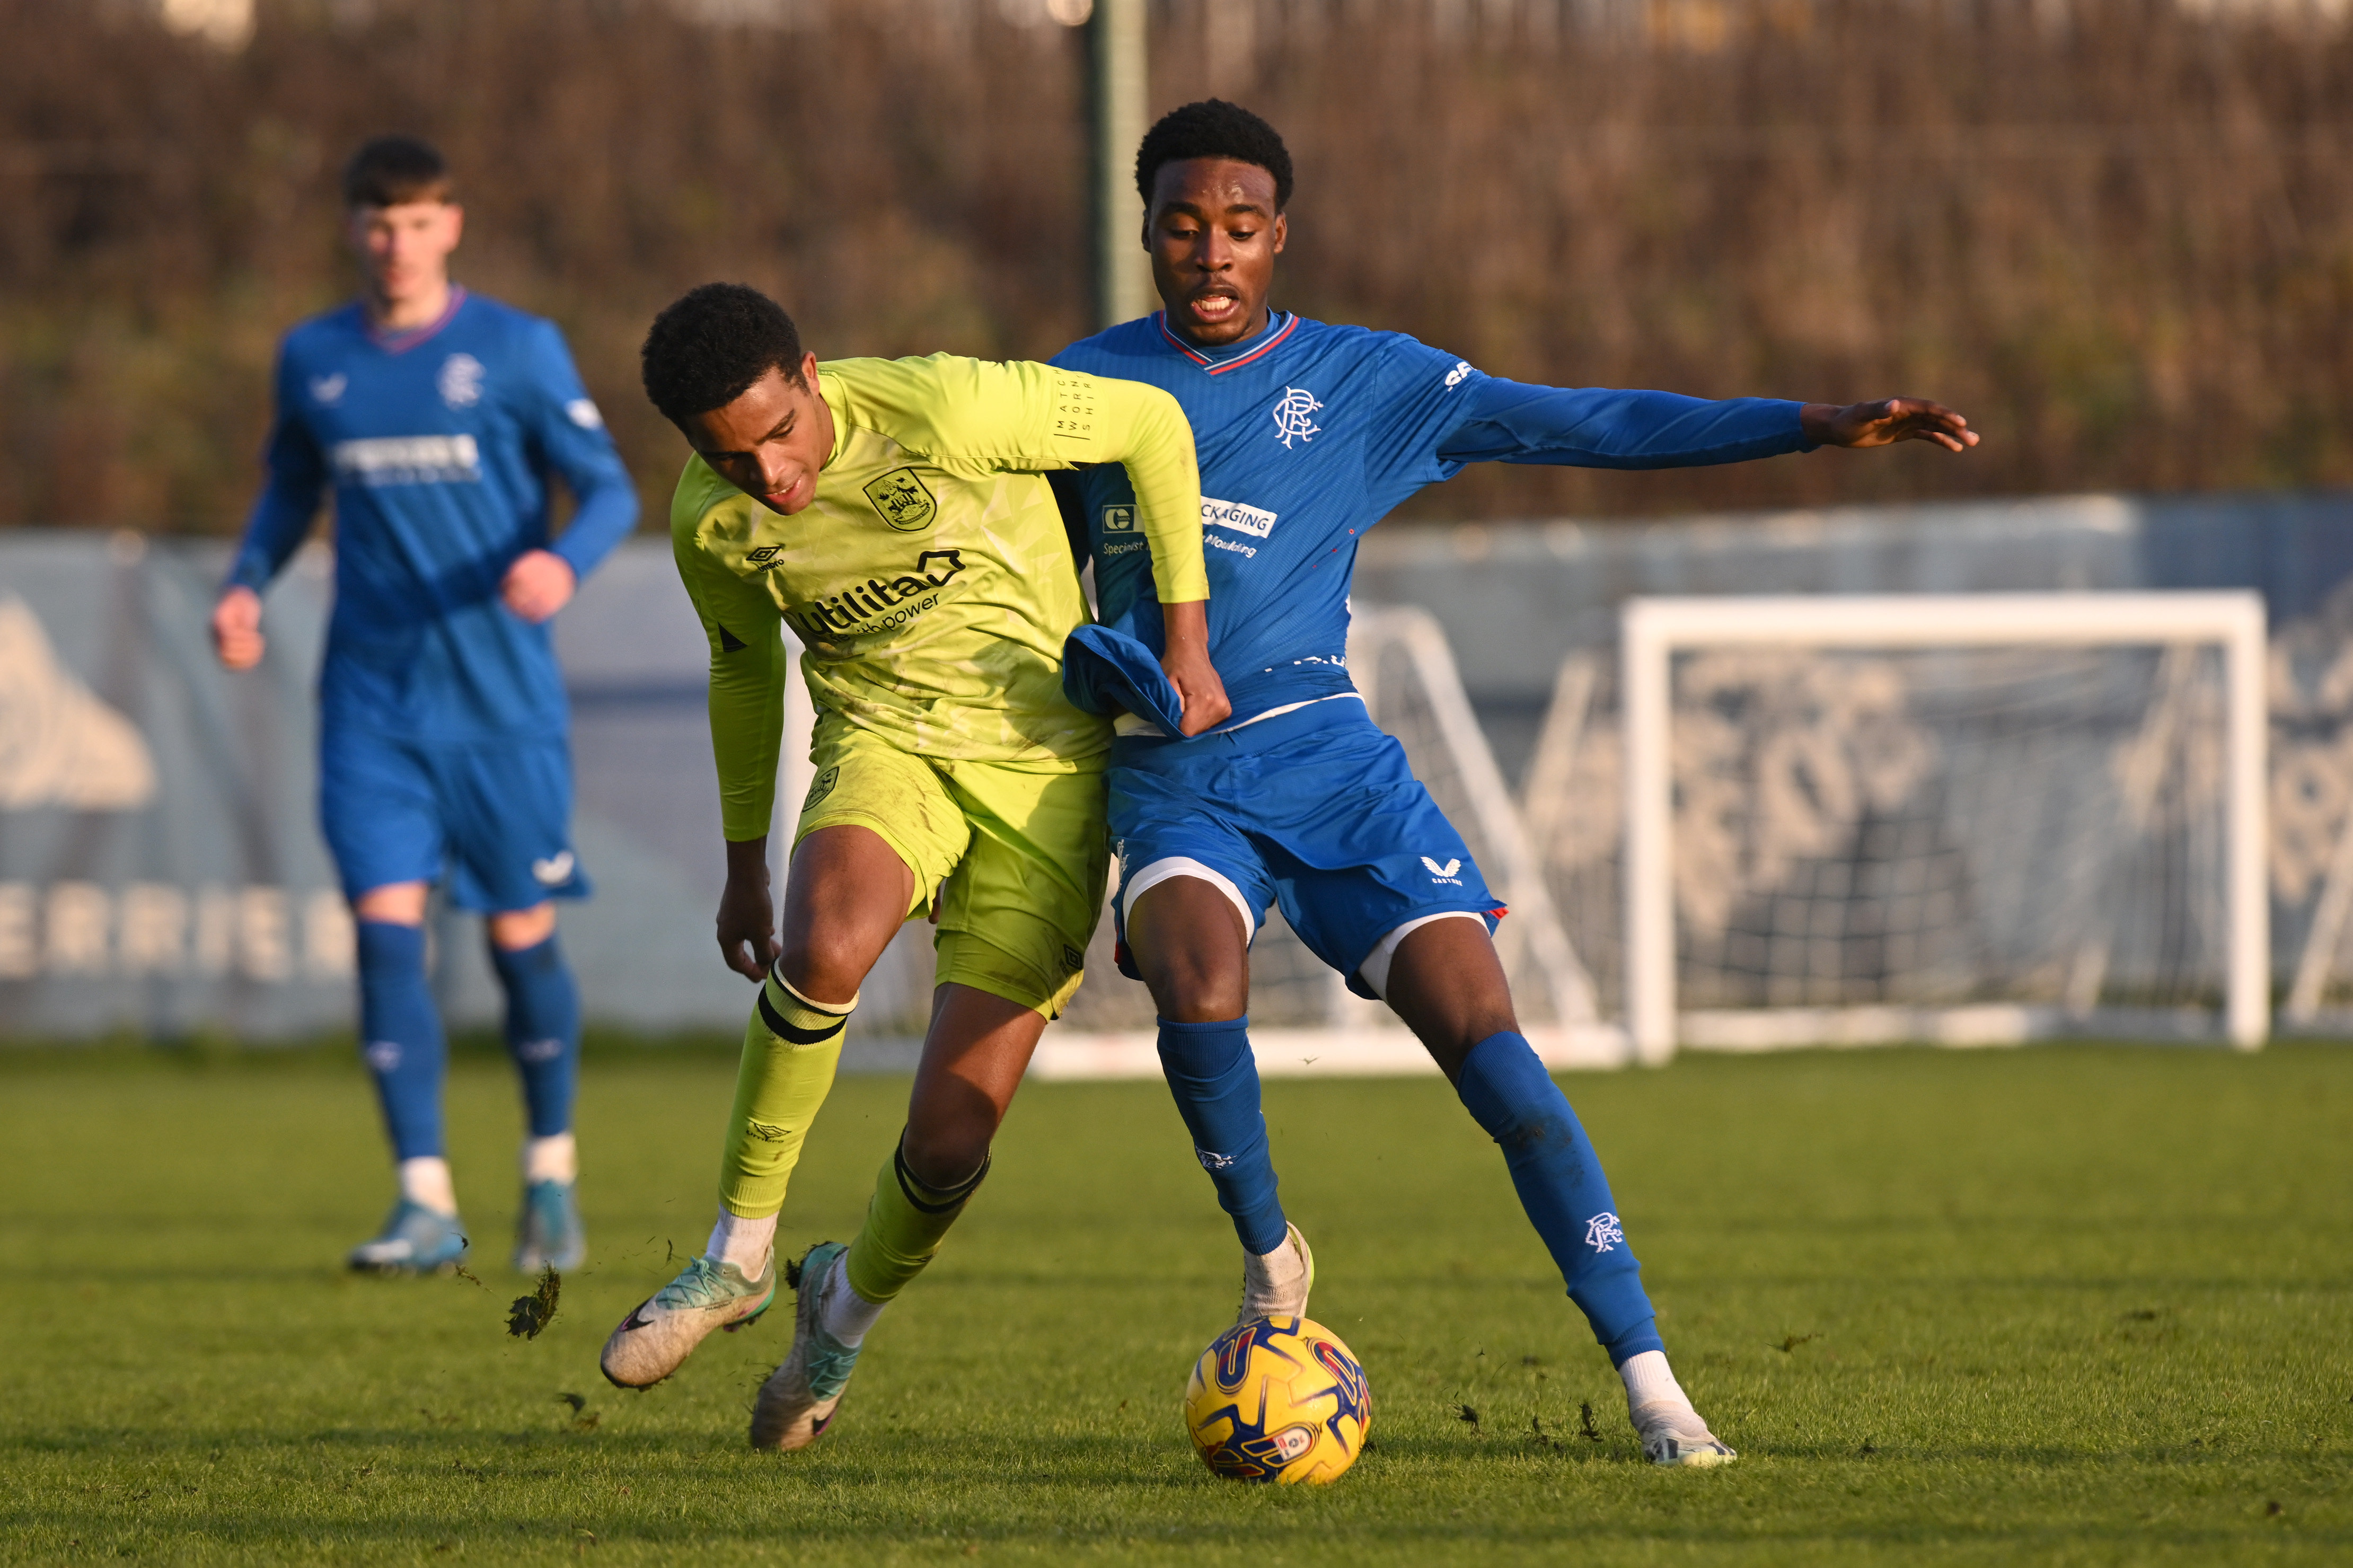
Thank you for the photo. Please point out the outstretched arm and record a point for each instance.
(1601, 427)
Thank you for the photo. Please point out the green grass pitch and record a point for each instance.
(2066, 1305)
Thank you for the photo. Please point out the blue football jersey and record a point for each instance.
(1310, 433)
(439, 443)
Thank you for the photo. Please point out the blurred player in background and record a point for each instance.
(437, 417)
(892, 511)
(1308, 435)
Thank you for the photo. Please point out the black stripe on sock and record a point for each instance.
(799, 1037)
(951, 1198)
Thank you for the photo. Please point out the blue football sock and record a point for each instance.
(1214, 1077)
(543, 1030)
(400, 1035)
(1560, 1183)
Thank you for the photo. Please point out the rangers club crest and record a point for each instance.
(1604, 1234)
(1294, 416)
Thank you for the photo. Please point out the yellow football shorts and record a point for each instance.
(1015, 854)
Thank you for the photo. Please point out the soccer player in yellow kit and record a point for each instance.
(896, 513)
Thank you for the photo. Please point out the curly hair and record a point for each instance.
(1213, 128)
(710, 345)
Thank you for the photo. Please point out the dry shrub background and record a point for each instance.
(2117, 233)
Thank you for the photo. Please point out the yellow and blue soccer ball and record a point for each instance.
(1278, 1399)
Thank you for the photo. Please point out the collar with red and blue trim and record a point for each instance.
(1282, 328)
(402, 342)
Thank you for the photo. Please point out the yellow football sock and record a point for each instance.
(905, 1222)
(791, 1048)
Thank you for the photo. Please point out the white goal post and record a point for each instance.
(1654, 631)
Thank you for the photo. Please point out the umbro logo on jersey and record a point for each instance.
(1441, 871)
(764, 555)
(876, 605)
(1460, 373)
(1294, 416)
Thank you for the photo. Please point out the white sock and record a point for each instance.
(425, 1181)
(847, 1315)
(745, 1243)
(1272, 1276)
(551, 1159)
(1648, 1380)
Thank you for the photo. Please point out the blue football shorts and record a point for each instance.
(1314, 810)
(491, 819)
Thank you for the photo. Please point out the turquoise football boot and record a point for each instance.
(548, 1234)
(797, 1403)
(415, 1240)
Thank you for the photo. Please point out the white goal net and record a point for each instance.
(1970, 819)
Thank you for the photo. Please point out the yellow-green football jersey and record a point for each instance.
(930, 580)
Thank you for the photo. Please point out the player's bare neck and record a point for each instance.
(418, 307)
(1222, 337)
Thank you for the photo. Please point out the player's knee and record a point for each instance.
(824, 964)
(944, 1154)
(393, 904)
(1208, 1006)
(513, 930)
(1198, 986)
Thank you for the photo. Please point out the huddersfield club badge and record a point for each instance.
(902, 500)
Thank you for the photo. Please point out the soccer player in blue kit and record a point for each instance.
(1308, 435)
(437, 417)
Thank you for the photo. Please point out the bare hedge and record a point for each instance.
(2118, 233)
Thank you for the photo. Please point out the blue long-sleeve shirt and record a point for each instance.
(439, 443)
(1309, 435)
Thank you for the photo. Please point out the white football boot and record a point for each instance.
(1673, 1434)
(662, 1331)
(1276, 1284)
(797, 1404)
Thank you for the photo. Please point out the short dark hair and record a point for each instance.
(1213, 129)
(388, 171)
(712, 343)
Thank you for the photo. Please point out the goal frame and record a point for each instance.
(1652, 631)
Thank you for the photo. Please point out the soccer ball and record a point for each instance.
(1278, 1399)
